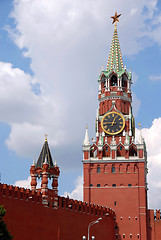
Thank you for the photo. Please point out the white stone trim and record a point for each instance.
(115, 187)
(113, 160)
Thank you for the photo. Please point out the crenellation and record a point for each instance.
(84, 207)
(20, 193)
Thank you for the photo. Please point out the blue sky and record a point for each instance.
(50, 56)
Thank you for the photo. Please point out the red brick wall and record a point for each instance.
(154, 225)
(129, 202)
(31, 220)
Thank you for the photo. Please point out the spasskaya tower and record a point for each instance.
(115, 166)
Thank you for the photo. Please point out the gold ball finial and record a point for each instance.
(46, 137)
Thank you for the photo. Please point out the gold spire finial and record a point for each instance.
(139, 125)
(46, 137)
(115, 18)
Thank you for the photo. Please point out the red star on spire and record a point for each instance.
(116, 17)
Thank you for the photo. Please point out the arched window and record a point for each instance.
(128, 168)
(91, 185)
(113, 80)
(114, 185)
(105, 168)
(93, 152)
(120, 168)
(106, 151)
(132, 151)
(129, 185)
(124, 83)
(113, 168)
(135, 168)
(98, 169)
(98, 185)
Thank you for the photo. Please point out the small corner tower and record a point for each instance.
(45, 169)
(114, 165)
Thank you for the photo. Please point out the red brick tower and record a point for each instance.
(44, 169)
(115, 166)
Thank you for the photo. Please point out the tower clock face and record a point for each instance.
(113, 123)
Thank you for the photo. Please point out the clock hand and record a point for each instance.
(113, 121)
(109, 122)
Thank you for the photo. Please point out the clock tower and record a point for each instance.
(114, 165)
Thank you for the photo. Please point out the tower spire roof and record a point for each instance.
(86, 139)
(45, 156)
(115, 58)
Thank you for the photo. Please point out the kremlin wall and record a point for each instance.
(28, 217)
(115, 171)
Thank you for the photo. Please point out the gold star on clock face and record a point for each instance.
(116, 17)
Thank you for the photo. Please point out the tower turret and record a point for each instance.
(44, 169)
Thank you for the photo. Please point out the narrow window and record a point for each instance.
(115, 226)
(106, 148)
(120, 147)
(113, 168)
(123, 235)
(105, 168)
(129, 185)
(116, 235)
(136, 168)
(120, 168)
(115, 203)
(138, 235)
(91, 185)
(113, 80)
(98, 169)
(113, 185)
(128, 168)
(98, 185)
(130, 235)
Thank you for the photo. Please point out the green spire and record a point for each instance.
(115, 58)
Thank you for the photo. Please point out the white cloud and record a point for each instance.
(24, 183)
(77, 193)
(152, 138)
(155, 78)
(30, 116)
(136, 104)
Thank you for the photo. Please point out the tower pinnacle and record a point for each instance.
(86, 139)
(115, 18)
(115, 58)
